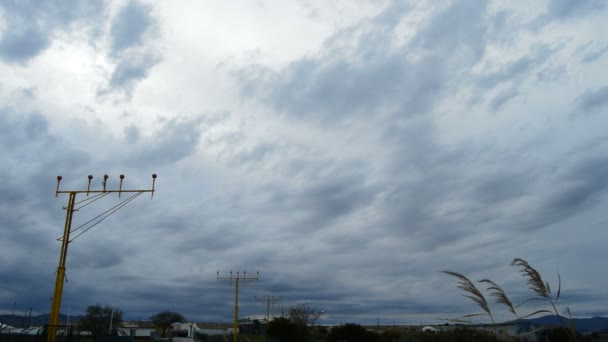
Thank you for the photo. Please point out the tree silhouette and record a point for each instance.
(99, 320)
(163, 320)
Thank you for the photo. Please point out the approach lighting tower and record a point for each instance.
(269, 300)
(236, 280)
(65, 239)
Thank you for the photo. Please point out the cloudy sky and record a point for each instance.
(348, 150)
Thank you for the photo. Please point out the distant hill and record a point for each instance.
(40, 320)
(582, 325)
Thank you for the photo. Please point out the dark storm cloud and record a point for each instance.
(32, 24)
(30, 291)
(192, 299)
(551, 74)
(576, 189)
(583, 294)
(32, 219)
(502, 97)
(21, 229)
(219, 236)
(22, 128)
(385, 306)
(458, 30)
(357, 219)
(426, 175)
(329, 191)
(563, 9)
(593, 99)
(29, 222)
(360, 73)
(132, 134)
(593, 56)
(132, 35)
(130, 26)
(368, 39)
(566, 12)
(446, 201)
(95, 256)
(368, 78)
(457, 197)
(20, 47)
(337, 90)
(496, 187)
(333, 198)
(130, 70)
(255, 154)
(580, 187)
(26, 138)
(537, 56)
(173, 141)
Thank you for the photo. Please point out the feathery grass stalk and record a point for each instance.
(535, 281)
(499, 295)
(541, 288)
(472, 293)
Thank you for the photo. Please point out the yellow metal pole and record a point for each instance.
(237, 280)
(56, 304)
(56, 300)
(236, 310)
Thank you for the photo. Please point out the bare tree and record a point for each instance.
(163, 320)
(304, 314)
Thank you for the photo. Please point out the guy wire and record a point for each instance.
(91, 199)
(107, 213)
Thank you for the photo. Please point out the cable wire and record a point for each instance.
(113, 210)
(91, 200)
(103, 215)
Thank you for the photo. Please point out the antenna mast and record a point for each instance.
(65, 240)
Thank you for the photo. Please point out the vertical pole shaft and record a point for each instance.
(236, 310)
(267, 312)
(56, 305)
(111, 319)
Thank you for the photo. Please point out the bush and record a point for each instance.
(352, 333)
(286, 330)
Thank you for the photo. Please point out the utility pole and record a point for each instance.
(65, 240)
(24, 319)
(270, 300)
(111, 319)
(236, 280)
